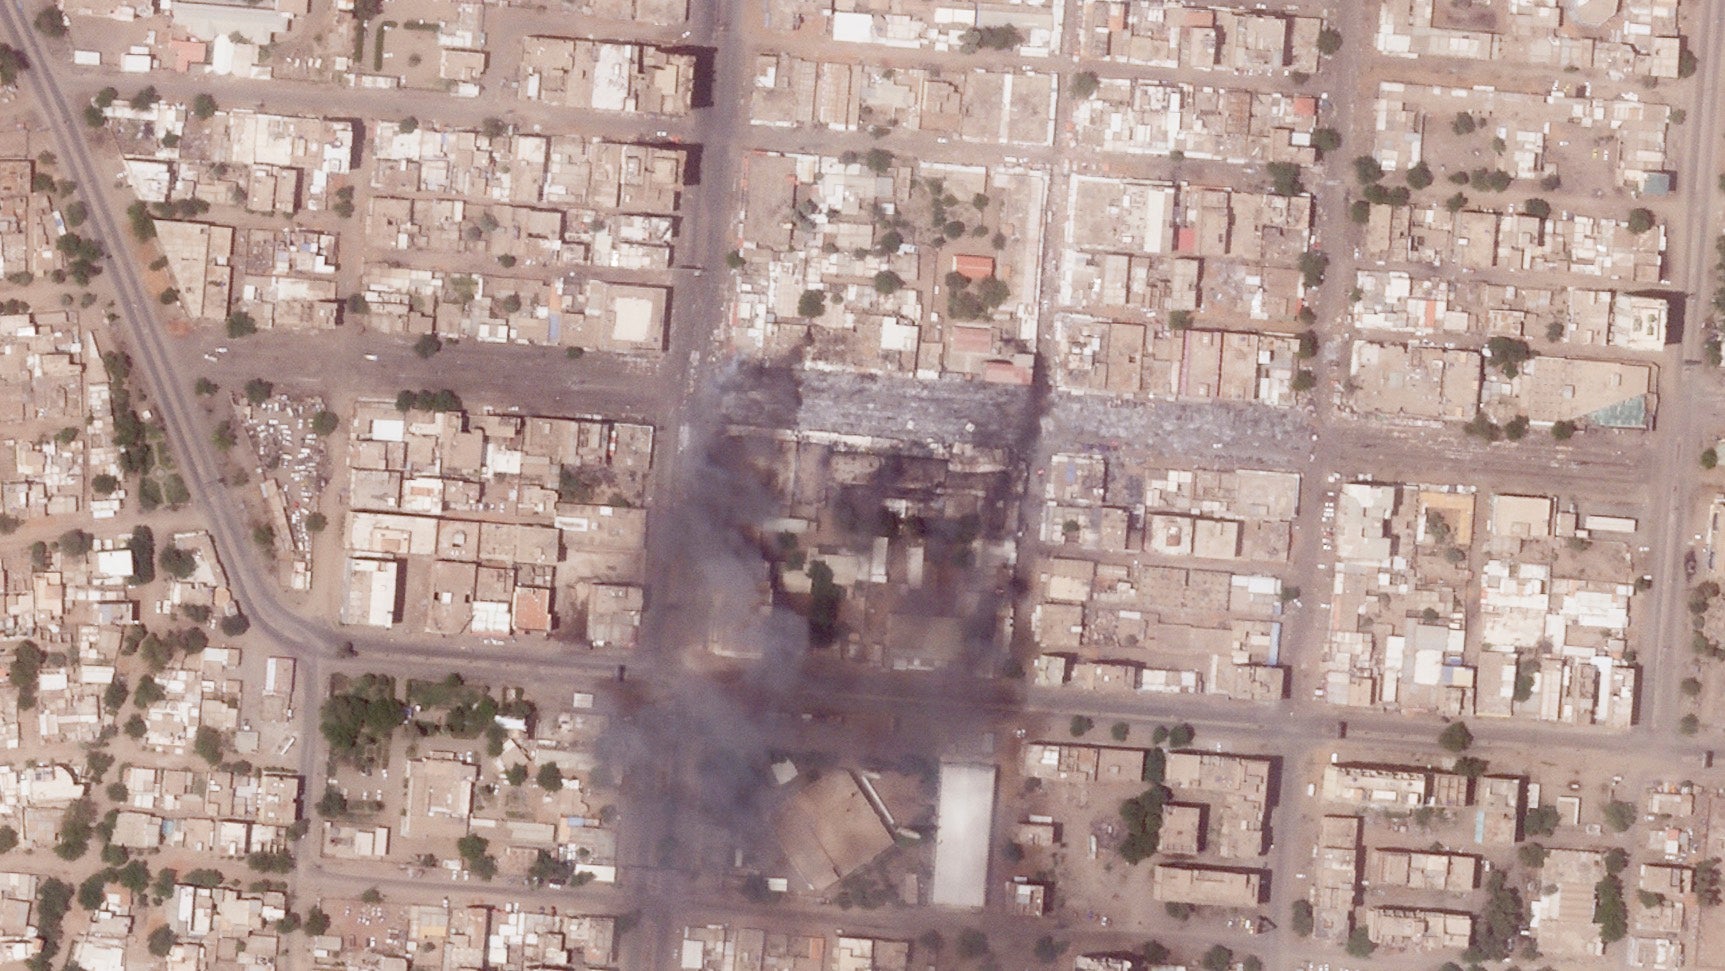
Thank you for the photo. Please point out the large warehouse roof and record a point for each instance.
(964, 833)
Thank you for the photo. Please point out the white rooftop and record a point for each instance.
(963, 833)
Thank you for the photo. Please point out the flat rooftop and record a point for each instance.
(964, 831)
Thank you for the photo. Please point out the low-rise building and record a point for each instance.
(1423, 870)
(1237, 789)
(1208, 886)
(1418, 929)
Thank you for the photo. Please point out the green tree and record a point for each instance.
(1508, 354)
(134, 876)
(549, 777)
(76, 542)
(76, 828)
(1304, 920)
(811, 304)
(143, 227)
(1619, 815)
(93, 891)
(25, 671)
(148, 692)
(1616, 859)
(549, 869)
(50, 21)
(276, 861)
(1329, 41)
(1456, 737)
(208, 744)
(1420, 176)
(1083, 85)
(241, 324)
(1640, 220)
(1609, 910)
(427, 345)
(1470, 767)
(332, 804)
(516, 774)
(162, 941)
(204, 106)
(258, 390)
(886, 282)
(1142, 816)
(177, 563)
(474, 856)
(1532, 855)
(1313, 265)
(1081, 725)
(1284, 178)
(1048, 950)
(1359, 944)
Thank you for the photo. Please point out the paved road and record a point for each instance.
(1684, 412)
(671, 626)
(251, 585)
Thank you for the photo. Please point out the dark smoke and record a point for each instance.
(695, 735)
